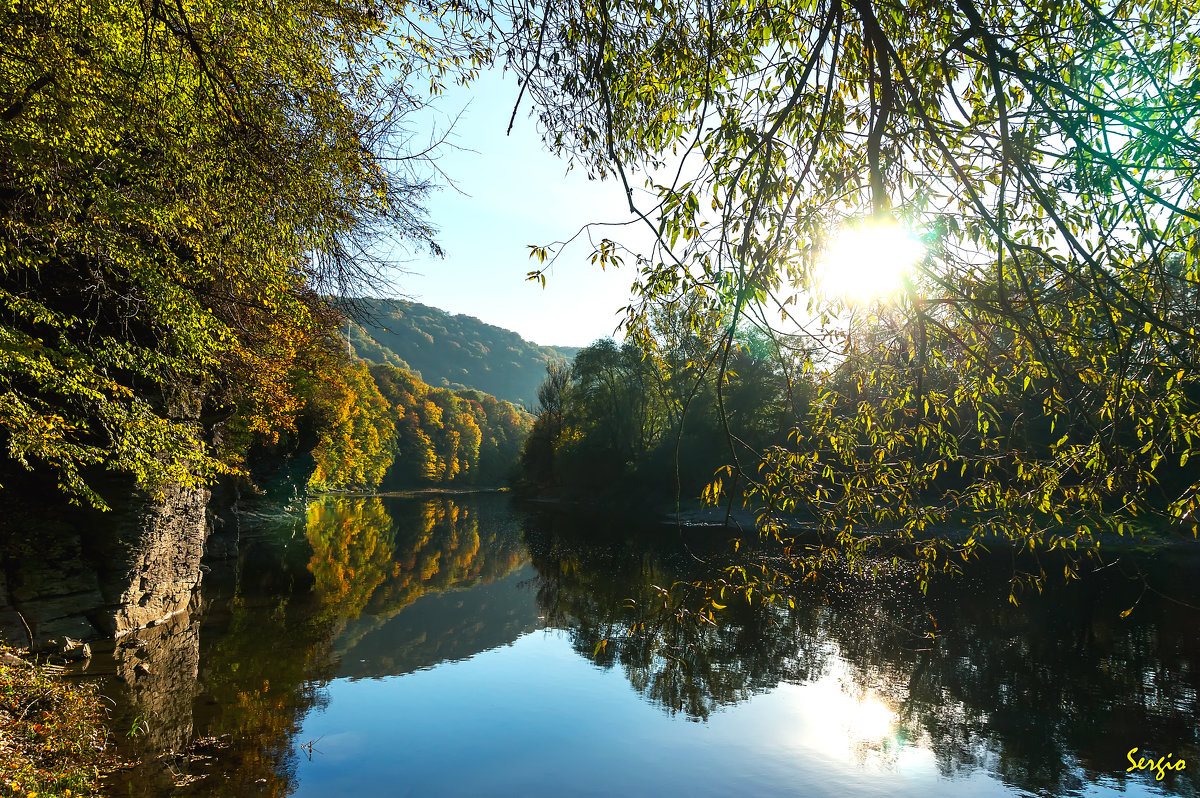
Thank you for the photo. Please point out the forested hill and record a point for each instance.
(452, 351)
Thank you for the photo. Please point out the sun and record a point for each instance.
(867, 261)
(870, 719)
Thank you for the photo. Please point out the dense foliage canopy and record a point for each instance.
(1036, 376)
(646, 423)
(382, 427)
(179, 184)
(444, 437)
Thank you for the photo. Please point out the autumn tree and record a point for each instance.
(446, 437)
(503, 428)
(180, 184)
(357, 435)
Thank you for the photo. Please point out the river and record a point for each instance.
(470, 645)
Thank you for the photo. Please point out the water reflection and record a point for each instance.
(263, 652)
(300, 606)
(1052, 694)
(596, 586)
(352, 553)
(1046, 697)
(456, 547)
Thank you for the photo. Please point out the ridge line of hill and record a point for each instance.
(455, 351)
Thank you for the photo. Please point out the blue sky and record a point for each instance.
(513, 194)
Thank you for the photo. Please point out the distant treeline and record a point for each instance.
(630, 421)
(451, 351)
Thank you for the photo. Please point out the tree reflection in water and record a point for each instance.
(352, 549)
(597, 585)
(442, 546)
(1048, 695)
(274, 622)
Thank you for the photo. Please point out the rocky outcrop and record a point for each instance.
(72, 572)
(47, 589)
(162, 542)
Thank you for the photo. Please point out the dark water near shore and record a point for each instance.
(456, 646)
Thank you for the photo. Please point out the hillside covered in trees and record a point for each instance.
(364, 428)
(452, 351)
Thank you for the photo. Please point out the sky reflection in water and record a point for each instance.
(533, 718)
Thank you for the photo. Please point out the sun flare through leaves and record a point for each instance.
(867, 261)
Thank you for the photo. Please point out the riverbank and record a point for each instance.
(410, 492)
(693, 514)
(53, 738)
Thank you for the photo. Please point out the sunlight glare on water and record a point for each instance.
(870, 719)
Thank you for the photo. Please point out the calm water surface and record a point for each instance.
(456, 646)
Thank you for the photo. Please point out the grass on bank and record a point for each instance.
(53, 739)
